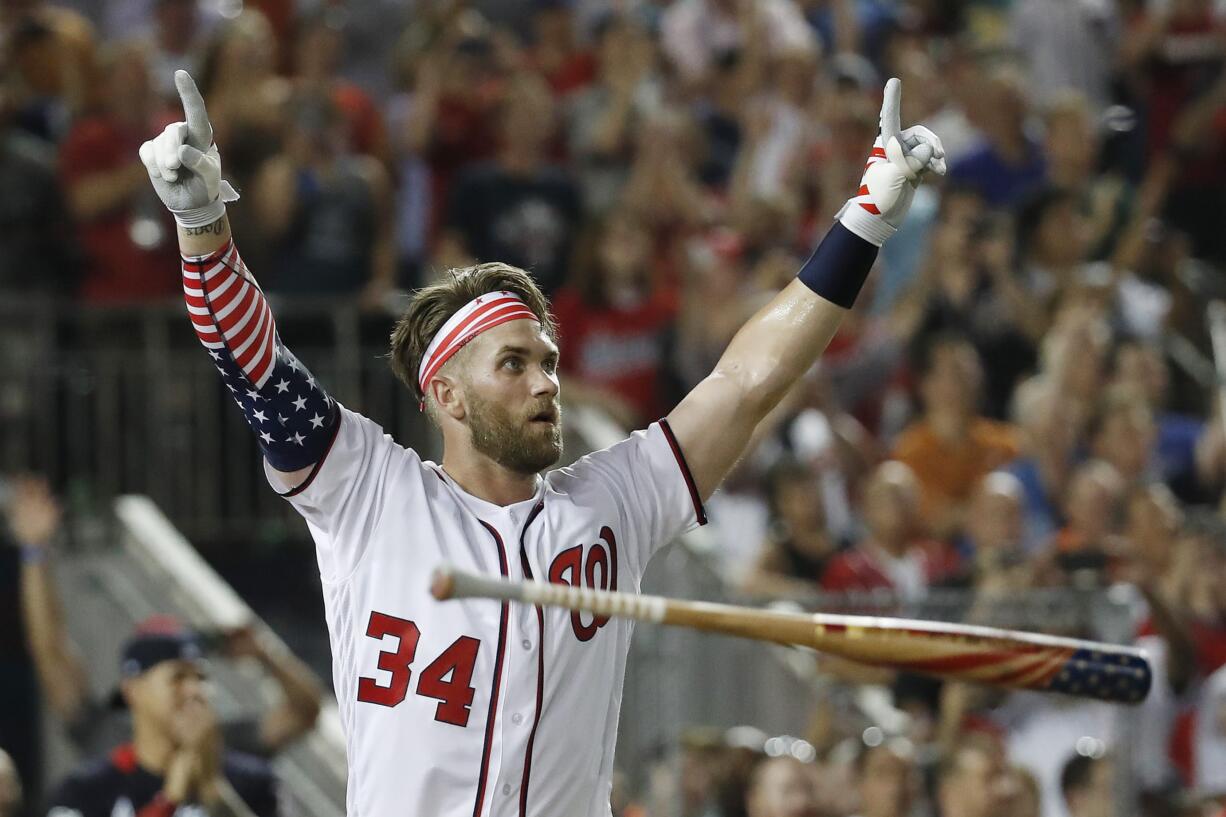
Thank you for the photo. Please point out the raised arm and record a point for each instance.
(715, 421)
(34, 518)
(294, 419)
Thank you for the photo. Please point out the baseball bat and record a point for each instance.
(1004, 658)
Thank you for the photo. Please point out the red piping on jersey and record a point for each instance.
(699, 511)
(540, 664)
(493, 711)
(306, 483)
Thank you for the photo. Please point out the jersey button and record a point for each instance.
(506, 788)
(526, 644)
(517, 719)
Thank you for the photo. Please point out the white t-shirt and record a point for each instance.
(479, 708)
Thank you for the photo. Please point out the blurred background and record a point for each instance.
(1017, 425)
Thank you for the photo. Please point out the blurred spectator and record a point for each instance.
(952, 446)
(615, 319)
(663, 187)
(1122, 434)
(1067, 46)
(518, 208)
(35, 657)
(890, 556)
(1088, 786)
(176, 755)
(780, 787)
(49, 53)
(967, 287)
(176, 42)
(10, 787)
(246, 102)
(1084, 548)
(603, 118)
(799, 548)
(993, 535)
(886, 779)
(555, 52)
(1008, 162)
(37, 243)
(971, 780)
(1072, 143)
(1141, 368)
(1048, 423)
(1151, 530)
(454, 119)
(318, 50)
(694, 33)
(325, 212)
(1196, 634)
(128, 239)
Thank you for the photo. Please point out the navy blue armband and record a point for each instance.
(294, 419)
(839, 266)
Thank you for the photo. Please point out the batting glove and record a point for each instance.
(899, 160)
(184, 165)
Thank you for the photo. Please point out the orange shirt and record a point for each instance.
(949, 473)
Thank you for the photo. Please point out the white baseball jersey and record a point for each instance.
(480, 708)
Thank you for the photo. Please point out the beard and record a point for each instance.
(515, 442)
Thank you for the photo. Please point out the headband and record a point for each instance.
(482, 313)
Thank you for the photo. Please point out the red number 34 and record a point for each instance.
(455, 695)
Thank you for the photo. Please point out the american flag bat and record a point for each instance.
(985, 655)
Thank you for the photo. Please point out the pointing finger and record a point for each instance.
(199, 131)
(891, 104)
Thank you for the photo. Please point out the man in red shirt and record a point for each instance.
(615, 322)
(889, 556)
(128, 238)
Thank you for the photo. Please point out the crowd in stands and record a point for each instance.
(1023, 397)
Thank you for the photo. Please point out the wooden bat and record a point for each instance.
(1005, 658)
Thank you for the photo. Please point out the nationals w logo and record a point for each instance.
(597, 569)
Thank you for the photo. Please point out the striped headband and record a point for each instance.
(482, 313)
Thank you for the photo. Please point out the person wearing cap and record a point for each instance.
(51, 668)
(175, 760)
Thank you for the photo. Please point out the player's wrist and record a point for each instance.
(199, 217)
(873, 229)
(839, 266)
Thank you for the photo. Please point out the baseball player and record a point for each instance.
(481, 708)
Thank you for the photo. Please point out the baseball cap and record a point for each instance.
(156, 639)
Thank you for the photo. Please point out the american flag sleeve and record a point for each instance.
(294, 419)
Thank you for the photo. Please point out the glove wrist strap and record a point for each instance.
(201, 216)
(873, 229)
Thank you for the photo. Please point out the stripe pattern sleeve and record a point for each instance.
(293, 417)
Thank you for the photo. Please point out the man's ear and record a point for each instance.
(448, 396)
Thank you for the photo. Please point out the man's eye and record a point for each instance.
(513, 363)
(550, 366)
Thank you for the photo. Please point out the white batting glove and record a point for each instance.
(899, 160)
(184, 165)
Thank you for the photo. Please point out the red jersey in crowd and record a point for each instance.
(129, 248)
(619, 349)
(867, 567)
